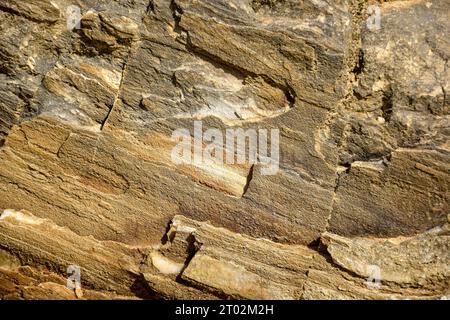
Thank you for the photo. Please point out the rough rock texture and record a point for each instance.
(86, 176)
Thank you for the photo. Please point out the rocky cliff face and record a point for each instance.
(91, 92)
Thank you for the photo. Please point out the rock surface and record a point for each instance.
(88, 108)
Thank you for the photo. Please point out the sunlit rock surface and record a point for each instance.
(87, 112)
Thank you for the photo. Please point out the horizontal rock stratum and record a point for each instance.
(91, 93)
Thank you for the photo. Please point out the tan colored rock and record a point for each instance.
(87, 114)
(40, 10)
(106, 267)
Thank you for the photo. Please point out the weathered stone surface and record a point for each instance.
(405, 195)
(38, 10)
(102, 264)
(86, 119)
(214, 263)
(394, 127)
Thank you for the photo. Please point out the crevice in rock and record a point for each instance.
(337, 183)
(141, 289)
(355, 56)
(387, 105)
(444, 101)
(177, 11)
(62, 144)
(359, 65)
(134, 46)
(249, 179)
(192, 248)
(150, 7)
(323, 251)
(354, 67)
(258, 4)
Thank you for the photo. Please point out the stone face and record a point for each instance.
(365, 201)
(87, 113)
(395, 136)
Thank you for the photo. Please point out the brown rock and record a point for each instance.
(86, 172)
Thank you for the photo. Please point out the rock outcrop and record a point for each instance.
(91, 93)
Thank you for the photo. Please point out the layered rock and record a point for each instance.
(87, 111)
(196, 260)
